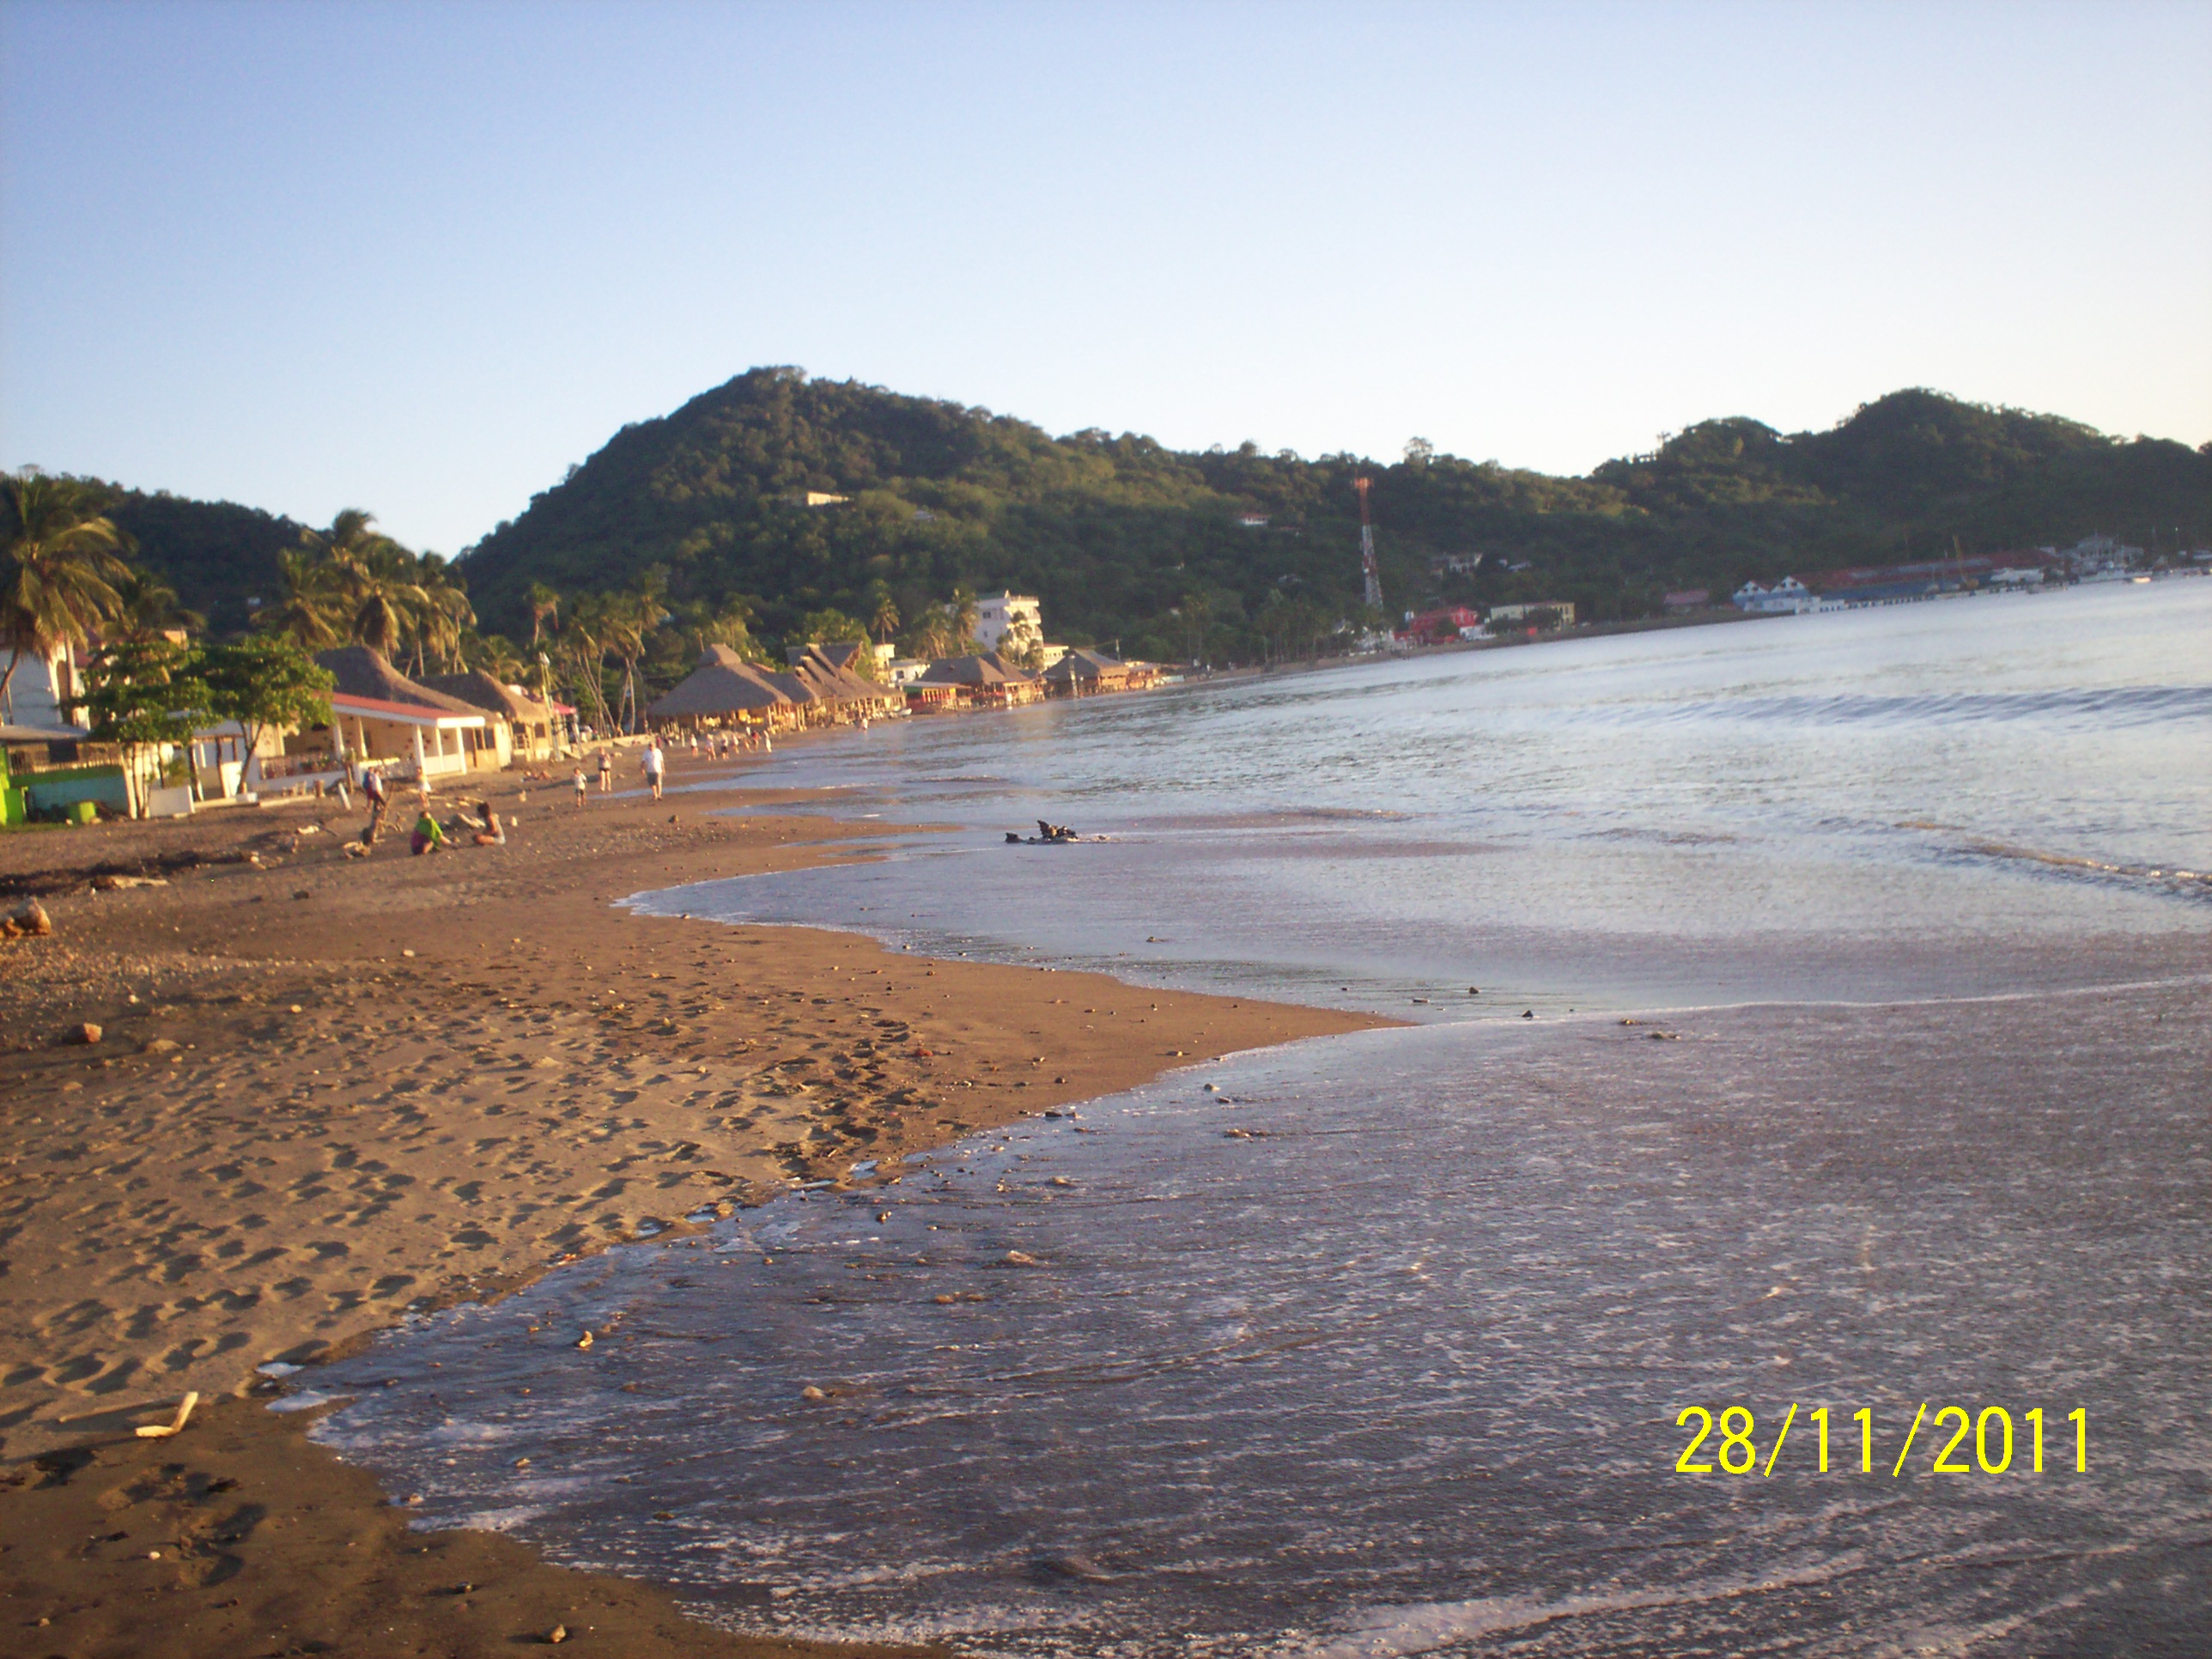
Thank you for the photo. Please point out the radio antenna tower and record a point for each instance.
(1369, 575)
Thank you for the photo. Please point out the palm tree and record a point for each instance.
(443, 612)
(964, 617)
(728, 623)
(584, 637)
(146, 608)
(932, 635)
(883, 613)
(495, 655)
(544, 604)
(629, 617)
(57, 582)
(307, 613)
(383, 595)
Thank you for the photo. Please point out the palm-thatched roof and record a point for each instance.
(1083, 664)
(360, 672)
(480, 691)
(990, 669)
(831, 682)
(723, 684)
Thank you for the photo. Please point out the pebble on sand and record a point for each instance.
(87, 1034)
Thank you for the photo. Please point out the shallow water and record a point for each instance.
(1936, 800)
(1379, 1346)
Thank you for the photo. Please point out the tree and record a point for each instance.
(628, 618)
(963, 613)
(383, 597)
(544, 604)
(1197, 614)
(819, 627)
(141, 694)
(262, 682)
(441, 612)
(146, 608)
(583, 635)
(307, 614)
(728, 623)
(63, 557)
(931, 635)
(496, 655)
(883, 613)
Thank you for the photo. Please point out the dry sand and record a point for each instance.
(329, 1089)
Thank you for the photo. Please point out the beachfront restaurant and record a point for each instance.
(380, 717)
(533, 728)
(1080, 672)
(986, 681)
(725, 692)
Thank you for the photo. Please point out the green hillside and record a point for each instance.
(1114, 533)
(218, 555)
(1126, 540)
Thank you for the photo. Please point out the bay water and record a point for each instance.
(1806, 1015)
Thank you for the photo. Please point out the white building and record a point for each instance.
(1012, 622)
(36, 691)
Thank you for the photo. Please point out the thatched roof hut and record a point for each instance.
(724, 686)
(480, 691)
(1083, 669)
(973, 670)
(360, 672)
(831, 682)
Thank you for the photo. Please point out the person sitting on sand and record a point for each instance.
(428, 837)
(494, 833)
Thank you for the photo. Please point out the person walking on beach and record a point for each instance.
(607, 772)
(583, 786)
(372, 786)
(655, 764)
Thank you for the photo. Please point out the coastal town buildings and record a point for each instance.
(987, 680)
(1540, 613)
(1081, 672)
(1443, 626)
(380, 715)
(533, 727)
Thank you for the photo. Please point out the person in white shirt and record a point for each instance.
(655, 763)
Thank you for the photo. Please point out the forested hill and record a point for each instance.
(1115, 533)
(217, 555)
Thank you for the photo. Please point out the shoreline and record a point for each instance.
(329, 1091)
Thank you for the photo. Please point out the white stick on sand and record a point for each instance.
(159, 1432)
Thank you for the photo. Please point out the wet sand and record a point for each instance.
(329, 1090)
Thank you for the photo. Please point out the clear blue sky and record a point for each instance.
(421, 258)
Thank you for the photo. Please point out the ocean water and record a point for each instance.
(1924, 800)
(1884, 1088)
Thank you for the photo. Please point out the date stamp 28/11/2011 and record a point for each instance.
(1737, 1451)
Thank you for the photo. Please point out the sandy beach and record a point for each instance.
(326, 1091)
